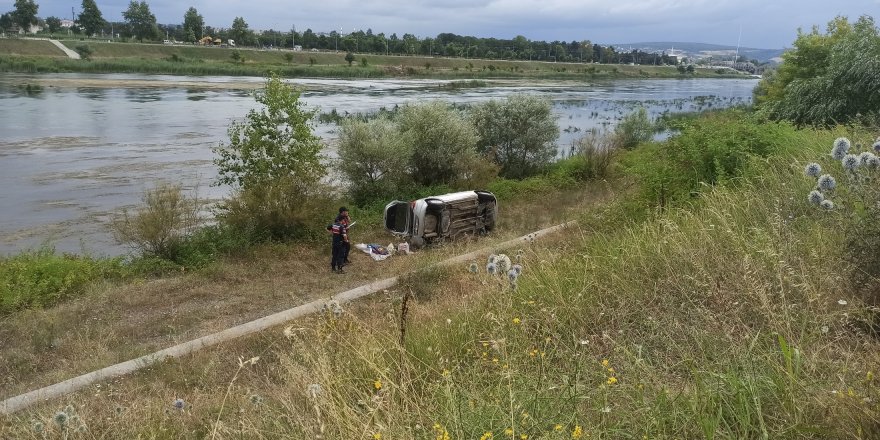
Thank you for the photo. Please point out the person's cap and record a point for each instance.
(342, 209)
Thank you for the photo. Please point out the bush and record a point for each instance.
(84, 51)
(519, 134)
(374, 157)
(634, 129)
(42, 278)
(592, 156)
(283, 209)
(159, 227)
(441, 140)
(708, 150)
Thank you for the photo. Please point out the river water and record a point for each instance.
(76, 148)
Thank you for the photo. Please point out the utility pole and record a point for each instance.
(293, 37)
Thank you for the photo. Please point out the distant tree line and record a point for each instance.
(139, 23)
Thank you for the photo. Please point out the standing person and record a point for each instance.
(340, 240)
(346, 220)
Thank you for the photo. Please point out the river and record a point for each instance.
(77, 148)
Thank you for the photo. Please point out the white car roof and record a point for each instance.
(454, 197)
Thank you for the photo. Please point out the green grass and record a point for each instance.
(42, 278)
(18, 47)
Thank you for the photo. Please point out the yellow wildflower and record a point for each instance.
(495, 360)
(486, 436)
(557, 428)
(508, 432)
(377, 436)
(377, 384)
(612, 380)
(611, 370)
(578, 432)
(870, 376)
(516, 321)
(605, 363)
(445, 373)
(533, 353)
(523, 436)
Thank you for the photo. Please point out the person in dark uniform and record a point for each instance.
(346, 221)
(340, 241)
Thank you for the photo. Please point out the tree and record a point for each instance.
(272, 143)
(53, 24)
(5, 22)
(193, 25)
(442, 140)
(239, 31)
(25, 14)
(519, 134)
(141, 21)
(374, 157)
(349, 57)
(827, 78)
(90, 19)
(274, 162)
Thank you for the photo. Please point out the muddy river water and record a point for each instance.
(76, 148)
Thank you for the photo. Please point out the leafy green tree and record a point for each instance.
(141, 21)
(349, 57)
(236, 56)
(274, 162)
(374, 157)
(90, 19)
(53, 24)
(519, 134)
(25, 14)
(288, 57)
(5, 22)
(193, 24)
(442, 140)
(827, 78)
(240, 31)
(273, 142)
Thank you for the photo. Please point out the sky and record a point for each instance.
(765, 24)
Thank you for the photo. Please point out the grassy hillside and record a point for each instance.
(731, 313)
(196, 60)
(38, 48)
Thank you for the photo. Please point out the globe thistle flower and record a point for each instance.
(841, 147)
(60, 418)
(491, 258)
(850, 162)
(256, 399)
(492, 268)
(314, 390)
(827, 182)
(876, 146)
(503, 262)
(873, 162)
(815, 197)
(864, 158)
(813, 170)
(39, 427)
(827, 205)
(178, 404)
(512, 275)
(518, 268)
(473, 268)
(333, 307)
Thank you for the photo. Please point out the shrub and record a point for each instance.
(519, 134)
(285, 208)
(592, 156)
(441, 140)
(709, 150)
(159, 227)
(634, 129)
(84, 51)
(374, 157)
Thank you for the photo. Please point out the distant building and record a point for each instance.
(297, 48)
(66, 24)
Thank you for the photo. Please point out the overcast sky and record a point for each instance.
(767, 24)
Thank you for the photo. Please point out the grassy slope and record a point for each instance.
(130, 57)
(718, 320)
(39, 48)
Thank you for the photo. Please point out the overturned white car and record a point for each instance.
(442, 217)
